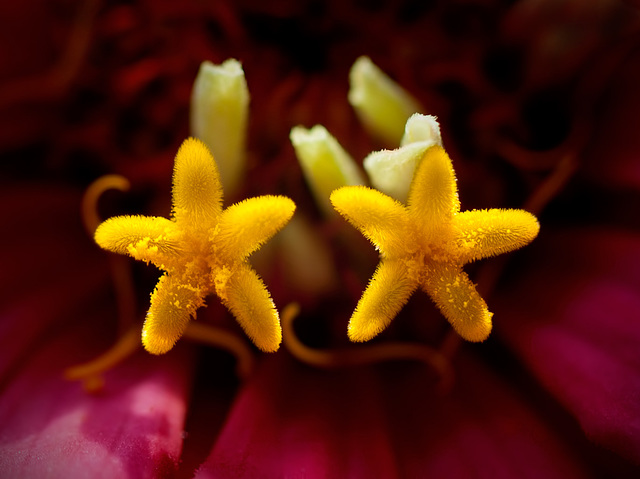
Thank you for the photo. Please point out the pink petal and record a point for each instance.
(52, 428)
(30, 318)
(284, 424)
(292, 421)
(573, 318)
(51, 268)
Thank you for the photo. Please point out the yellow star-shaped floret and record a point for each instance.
(203, 249)
(425, 244)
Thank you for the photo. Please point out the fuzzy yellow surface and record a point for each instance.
(425, 244)
(203, 249)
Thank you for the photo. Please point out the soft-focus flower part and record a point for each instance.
(308, 263)
(50, 426)
(134, 430)
(325, 164)
(526, 91)
(382, 105)
(391, 171)
(584, 328)
(425, 244)
(219, 115)
(365, 423)
(203, 249)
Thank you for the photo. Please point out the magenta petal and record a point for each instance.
(52, 428)
(50, 267)
(292, 421)
(30, 318)
(574, 319)
(483, 429)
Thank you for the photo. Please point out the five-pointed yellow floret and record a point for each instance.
(203, 249)
(425, 244)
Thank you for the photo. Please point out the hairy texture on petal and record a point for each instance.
(457, 298)
(173, 303)
(246, 296)
(197, 192)
(433, 196)
(145, 238)
(245, 226)
(388, 291)
(383, 220)
(484, 233)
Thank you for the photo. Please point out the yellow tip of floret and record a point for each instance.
(197, 191)
(173, 303)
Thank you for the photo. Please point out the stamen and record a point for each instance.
(94, 191)
(450, 344)
(365, 355)
(90, 373)
(553, 184)
(120, 268)
(207, 334)
(530, 160)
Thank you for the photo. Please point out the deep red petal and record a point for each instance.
(50, 267)
(291, 421)
(574, 320)
(55, 313)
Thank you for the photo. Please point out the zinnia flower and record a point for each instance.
(535, 102)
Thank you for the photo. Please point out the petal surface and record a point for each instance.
(294, 421)
(291, 421)
(388, 291)
(35, 283)
(383, 220)
(52, 428)
(574, 322)
(484, 428)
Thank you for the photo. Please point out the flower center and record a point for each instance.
(130, 327)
